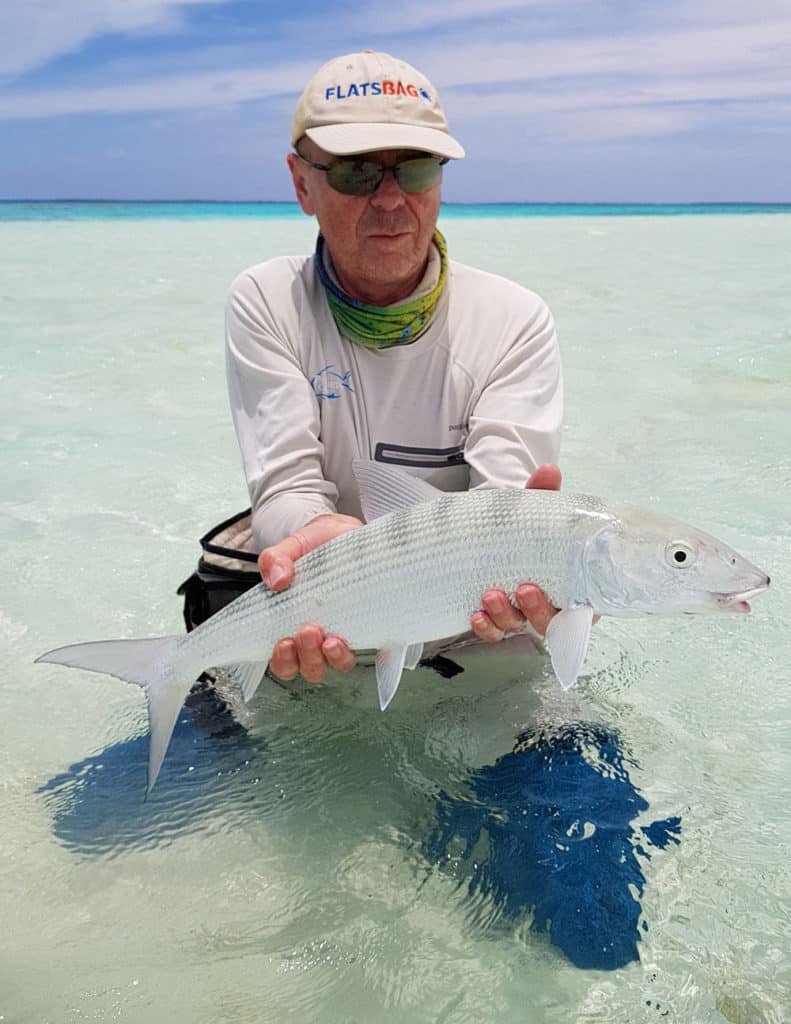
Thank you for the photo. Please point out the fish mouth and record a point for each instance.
(738, 600)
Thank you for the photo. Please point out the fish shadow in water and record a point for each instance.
(548, 831)
(99, 804)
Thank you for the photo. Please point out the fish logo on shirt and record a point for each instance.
(328, 383)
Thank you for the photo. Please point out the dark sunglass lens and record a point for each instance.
(418, 175)
(355, 177)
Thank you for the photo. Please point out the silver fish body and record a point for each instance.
(416, 573)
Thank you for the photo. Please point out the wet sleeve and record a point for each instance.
(516, 420)
(275, 414)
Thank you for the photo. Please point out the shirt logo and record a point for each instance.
(383, 88)
(328, 383)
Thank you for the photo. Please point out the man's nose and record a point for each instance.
(389, 195)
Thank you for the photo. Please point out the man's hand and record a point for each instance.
(310, 652)
(498, 616)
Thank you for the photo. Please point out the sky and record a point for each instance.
(554, 100)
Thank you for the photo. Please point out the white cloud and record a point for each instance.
(649, 73)
(500, 21)
(755, 48)
(416, 15)
(214, 89)
(33, 32)
(571, 118)
(622, 123)
(716, 13)
(678, 94)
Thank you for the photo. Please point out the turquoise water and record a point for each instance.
(82, 210)
(329, 863)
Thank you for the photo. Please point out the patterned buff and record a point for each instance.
(382, 326)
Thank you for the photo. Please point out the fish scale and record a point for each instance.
(366, 580)
(416, 573)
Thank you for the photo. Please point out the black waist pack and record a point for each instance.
(227, 568)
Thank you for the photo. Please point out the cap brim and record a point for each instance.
(348, 139)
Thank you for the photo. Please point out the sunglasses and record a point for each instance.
(353, 176)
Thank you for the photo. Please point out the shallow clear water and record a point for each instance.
(326, 862)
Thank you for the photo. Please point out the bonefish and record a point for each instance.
(416, 572)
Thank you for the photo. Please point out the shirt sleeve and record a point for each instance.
(275, 414)
(516, 421)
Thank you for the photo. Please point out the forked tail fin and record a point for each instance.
(151, 664)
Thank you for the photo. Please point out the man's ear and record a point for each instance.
(300, 178)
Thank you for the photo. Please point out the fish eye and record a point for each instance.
(679, 554)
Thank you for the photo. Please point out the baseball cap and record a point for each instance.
(368, 101)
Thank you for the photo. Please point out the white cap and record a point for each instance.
(369, 101)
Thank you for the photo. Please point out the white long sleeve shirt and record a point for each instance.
(476, 401)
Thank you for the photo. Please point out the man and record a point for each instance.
(378, 346)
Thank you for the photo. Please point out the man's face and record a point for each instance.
(379, 243)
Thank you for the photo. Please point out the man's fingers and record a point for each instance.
(284, 662)
(339, 656)
(546, 478)
(483, 627)
(277, 561)
(277, 566)
(501, 612)
(498, 616)
(535, 606)
(312, 665)
(308, 654)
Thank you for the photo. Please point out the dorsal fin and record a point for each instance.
(386, 488)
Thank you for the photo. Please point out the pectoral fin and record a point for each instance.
(390, 662)
(567, 638)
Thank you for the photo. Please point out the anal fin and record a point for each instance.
(247, 675)
(390, 663)
(413, 655)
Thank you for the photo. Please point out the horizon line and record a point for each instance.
(489, 202)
